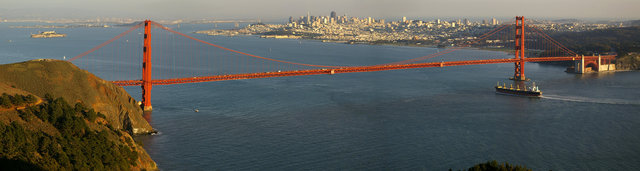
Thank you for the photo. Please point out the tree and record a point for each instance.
(495, 166)
(5, 101)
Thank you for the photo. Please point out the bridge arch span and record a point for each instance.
(593, 64)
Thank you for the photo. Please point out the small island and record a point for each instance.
(48, 34)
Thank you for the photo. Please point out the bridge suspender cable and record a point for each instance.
(235, 51)
(281, 61)
(107, 42)
(553, 41)
(482, 37)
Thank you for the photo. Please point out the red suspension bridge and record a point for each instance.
(179, 58)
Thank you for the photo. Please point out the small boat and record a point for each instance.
(532, 91)
(196, 110)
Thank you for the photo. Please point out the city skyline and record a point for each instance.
(282, 9)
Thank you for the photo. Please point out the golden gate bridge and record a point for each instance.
(185, 59)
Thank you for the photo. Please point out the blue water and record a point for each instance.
(427, 119)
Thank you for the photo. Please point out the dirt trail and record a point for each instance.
(22, 107)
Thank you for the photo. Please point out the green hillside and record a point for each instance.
(55, 116)
(624, 41)
(63, 79)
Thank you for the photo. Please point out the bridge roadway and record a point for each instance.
(345, 70)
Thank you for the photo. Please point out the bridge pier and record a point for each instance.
(146, 68)
(591, 65)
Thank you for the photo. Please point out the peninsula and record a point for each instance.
(55, 116)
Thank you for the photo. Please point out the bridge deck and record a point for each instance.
(344, 70)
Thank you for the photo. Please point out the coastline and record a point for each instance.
(400, 43)
(297, 37)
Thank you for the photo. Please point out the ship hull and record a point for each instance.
(518, 92)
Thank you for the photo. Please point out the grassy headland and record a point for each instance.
(624, 41)
(55, 116)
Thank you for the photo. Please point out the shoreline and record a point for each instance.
(349, 42)
(385, 43)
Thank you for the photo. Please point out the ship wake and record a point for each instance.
(591, 100)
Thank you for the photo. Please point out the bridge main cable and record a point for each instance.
(107, 42)
(341, 70)
(553, 41)
(235, 51)
(482, 37)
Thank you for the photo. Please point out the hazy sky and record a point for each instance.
(282, 9)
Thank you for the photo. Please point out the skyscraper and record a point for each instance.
(404, 19)
(494, 21)
(333, 14)
(308, 18)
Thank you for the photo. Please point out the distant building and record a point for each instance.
(494, 21)
(437, 21)
(333, 14)
(404, 19)
(291, 19)
(308, 18)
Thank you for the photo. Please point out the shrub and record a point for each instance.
(76, 148)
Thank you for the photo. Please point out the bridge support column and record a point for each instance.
(519, 50)
(582, 65)
(146, 68)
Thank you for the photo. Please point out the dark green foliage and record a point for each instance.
(76, 148)
(30, 99)
(495, 166)
(5, 101)
(8, 101)
(90, 114)
(620, 40)
(8, 164)
(48, 97)
(102, 115)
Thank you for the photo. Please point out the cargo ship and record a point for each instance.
(47, 34)
(532, 91)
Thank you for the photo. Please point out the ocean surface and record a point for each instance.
(417, 119)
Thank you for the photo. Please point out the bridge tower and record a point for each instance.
(146, 68)
(519, 49)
